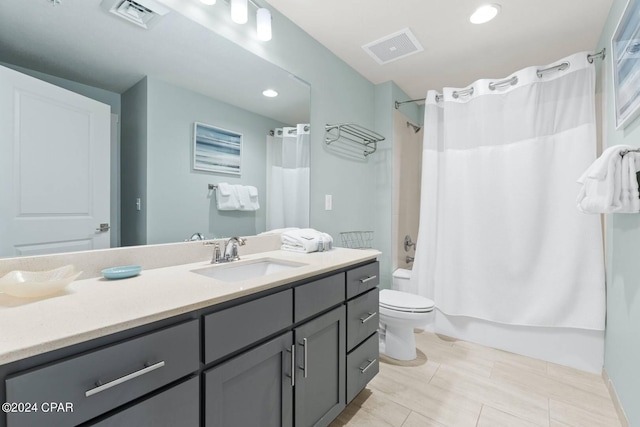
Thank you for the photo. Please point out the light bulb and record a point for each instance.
(263, 24)
(239, 11)
(270, 93)
(484, 13)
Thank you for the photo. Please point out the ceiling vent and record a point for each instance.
(143, 13)
(394, 46)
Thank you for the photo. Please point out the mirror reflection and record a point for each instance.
(122, 163)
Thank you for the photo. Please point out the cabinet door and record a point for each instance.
(320, 373)
(253, 389)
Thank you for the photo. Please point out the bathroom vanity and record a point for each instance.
(287, 349)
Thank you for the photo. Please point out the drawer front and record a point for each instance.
(234, 328)
(361, 279)
(317, 296)
(125, 370)
(362, 317)
(178, 406)
(362, 366)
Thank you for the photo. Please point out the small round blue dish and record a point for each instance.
(121, 272)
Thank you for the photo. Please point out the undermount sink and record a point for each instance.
(233, 272)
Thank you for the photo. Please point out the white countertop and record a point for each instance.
(98, 307)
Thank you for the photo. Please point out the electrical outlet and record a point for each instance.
(328, 202)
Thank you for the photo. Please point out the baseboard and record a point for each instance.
(614, 397)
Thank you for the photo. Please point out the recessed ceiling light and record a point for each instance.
(485, 13)
(208, 2)
(270, 93)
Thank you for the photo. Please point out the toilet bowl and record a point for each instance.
(401, 312)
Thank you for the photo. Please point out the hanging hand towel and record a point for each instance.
(248, 198)
(227, 197)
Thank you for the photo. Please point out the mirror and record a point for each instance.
(188, 74)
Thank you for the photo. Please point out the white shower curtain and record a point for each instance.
(288, 178)
(500, 236)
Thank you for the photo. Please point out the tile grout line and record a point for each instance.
(406, 418)
(479, 414)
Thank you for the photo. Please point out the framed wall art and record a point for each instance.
(216, 150)
(625, 48)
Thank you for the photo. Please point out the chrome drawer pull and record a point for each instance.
(293, 365)
(370, 316)
(370, 364)
(368, 279)
(121, 380)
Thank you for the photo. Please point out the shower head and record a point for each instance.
(416, 128)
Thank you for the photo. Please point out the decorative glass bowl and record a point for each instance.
(34, 284)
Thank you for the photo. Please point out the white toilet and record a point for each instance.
(400, 312)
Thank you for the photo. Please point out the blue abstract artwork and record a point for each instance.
(216, 150)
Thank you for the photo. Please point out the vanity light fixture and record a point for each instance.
(485, 13)
(239, 9)
(270, 93)
(208, 2)
(263, 24)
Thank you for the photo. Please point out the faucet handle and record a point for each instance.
(216, 254)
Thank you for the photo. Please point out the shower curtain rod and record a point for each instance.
(513, 80)
(273, 132)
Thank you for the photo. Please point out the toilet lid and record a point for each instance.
(403, 301)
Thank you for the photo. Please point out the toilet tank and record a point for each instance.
(401, 279)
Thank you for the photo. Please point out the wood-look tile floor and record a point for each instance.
(457, 383)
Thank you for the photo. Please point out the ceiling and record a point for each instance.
(79, 41)
(456, 52)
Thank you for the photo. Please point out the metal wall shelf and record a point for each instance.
(353, 133)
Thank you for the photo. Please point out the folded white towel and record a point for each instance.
(237, 197)
(224, 189)
(306, 240)
(609, 185)
(227, 197)
(247, 201)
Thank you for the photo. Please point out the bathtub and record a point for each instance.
(578, 348)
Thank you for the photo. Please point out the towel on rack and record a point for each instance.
(306, 240)
(227, 197)
(248, 197)
(609, 185)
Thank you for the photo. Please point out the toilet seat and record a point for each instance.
(405, 302)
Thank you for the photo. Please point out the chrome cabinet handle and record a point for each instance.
(370, 364)
(293, 365)
(370, 316)
(368, 279)
(103, 387)
(304, 367)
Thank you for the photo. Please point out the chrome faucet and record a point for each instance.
(230, 251)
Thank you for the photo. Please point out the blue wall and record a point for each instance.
(622, 336)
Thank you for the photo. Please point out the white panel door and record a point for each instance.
(54, 168)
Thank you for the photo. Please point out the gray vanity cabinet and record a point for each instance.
(253, 389)
(101, 380)
(178, 406)
(320, 373)
(291, 356)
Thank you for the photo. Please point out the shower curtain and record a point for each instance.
(288, 178)
(500, 236)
